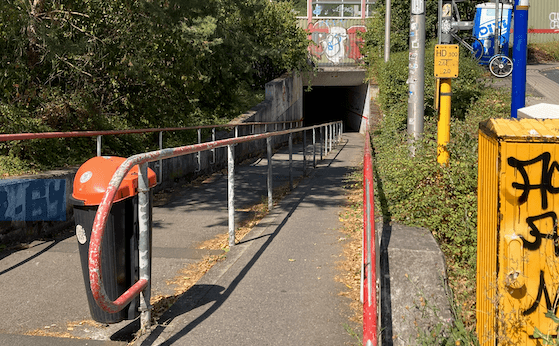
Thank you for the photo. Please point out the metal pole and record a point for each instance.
(321, 141)
(496, 29)
(160, 161)
(443, 126)
(331, 134)
(416, 78)
(198, 154)
(519, 56)
(326, 140)
(370, 320)
(313, 148)
(236, 131)
(213, 150)
(144, 245)
(231, 192)
(290, 161)
(99, 145)
(309, 12)
(269, 151)
(304, 152)
(387, 21)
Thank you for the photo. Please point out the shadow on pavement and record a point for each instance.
(200, 295)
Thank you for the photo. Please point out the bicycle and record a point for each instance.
(471, 43)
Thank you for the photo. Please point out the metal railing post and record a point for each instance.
(144, 245)
(236, 131)
(321, 145)
(160, 177)
(231, 193)
(331, 137)
(305, 152)
(265, 128)
(270, 187)
(198, 154)
(325, 140)
(290, 161)
(213, 150)
(99, 145)
(313, 147)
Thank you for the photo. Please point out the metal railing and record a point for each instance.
(99, 135)
(369, 268)
(330, 133)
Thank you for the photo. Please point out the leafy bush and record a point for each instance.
(416, 190)
(97, 65)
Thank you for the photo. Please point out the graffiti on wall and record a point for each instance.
(554, 20)
(335, 44)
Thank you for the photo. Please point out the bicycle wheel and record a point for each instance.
(474, 45)
(500, 66)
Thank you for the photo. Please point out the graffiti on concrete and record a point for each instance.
(334, 43)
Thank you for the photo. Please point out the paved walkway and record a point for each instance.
(277, 287)
(539, 88)
(290, 258)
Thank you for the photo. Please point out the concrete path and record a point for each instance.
(540, 84)
(42, 285)
(277, 287)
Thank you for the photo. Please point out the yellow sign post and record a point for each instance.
(447, 58)
(446, 67)
(518, 240)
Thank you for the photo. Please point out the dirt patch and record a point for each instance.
(349, 268)
(59, 332)
(537, 55)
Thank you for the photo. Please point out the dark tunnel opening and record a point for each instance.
(332, 103)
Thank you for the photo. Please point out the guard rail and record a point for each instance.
(330, 134)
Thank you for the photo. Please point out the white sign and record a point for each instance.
(417, 6)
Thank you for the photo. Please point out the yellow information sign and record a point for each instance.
(447, 57)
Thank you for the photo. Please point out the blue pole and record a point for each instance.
(519, 55)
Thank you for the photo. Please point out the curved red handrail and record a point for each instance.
(369, 251)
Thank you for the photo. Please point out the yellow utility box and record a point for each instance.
(518, 245)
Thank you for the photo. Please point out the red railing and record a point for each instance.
(100, 134)
(41, 135)
(369, 274)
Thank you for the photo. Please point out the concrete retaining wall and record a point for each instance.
(283, 102)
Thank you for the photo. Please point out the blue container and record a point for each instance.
(484, 28)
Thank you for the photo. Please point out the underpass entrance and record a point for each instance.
(338, 94)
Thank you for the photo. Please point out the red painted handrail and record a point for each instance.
(42, 135)
(370, 337)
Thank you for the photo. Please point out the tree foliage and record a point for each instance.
(97, 64)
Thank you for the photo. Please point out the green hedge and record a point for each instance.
(99, 65)
(417, 191)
